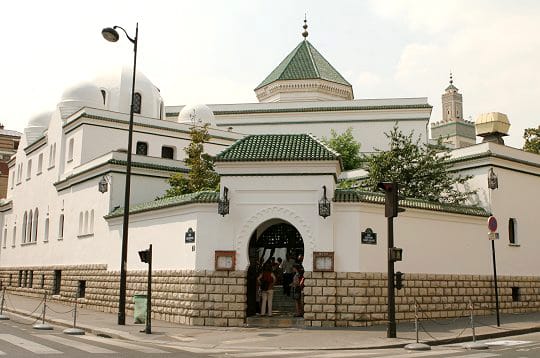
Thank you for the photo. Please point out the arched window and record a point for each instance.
(29, 227)
(40, 164)
(91, 225)
(104, 95)
(29, 169)
(81, 223)
(141, 148)
(46, 231)
(512, 226)
(36, 222)
(167, 152)
(86, 217)
(137, 101)
(70, 149)
(24, 223)
(161, 110)
(14, 239)
(61, 227)
(4, 238)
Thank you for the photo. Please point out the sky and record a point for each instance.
(219, 51)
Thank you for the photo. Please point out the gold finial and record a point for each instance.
(451, 78)
(305, 33)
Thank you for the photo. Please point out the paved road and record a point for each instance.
(18, 339)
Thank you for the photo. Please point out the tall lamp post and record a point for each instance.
(110, 34)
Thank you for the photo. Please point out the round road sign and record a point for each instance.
(492, 224)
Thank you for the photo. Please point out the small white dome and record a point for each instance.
(79, 96)
(117, 87)
(197, 114)
(37, 125)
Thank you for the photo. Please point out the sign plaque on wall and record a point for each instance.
(190, 236)
(323, 261)
(225, 260)
(369, 237)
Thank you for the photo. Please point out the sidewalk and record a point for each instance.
(433, 332)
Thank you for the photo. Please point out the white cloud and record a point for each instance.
(494, 58)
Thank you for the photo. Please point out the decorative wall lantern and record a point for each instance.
(493, 181)
(223, 204)
(324, 205)
(103, 185)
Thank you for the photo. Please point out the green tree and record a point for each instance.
(201, 174)
(347, 146)
(532, 140)
(422, 171)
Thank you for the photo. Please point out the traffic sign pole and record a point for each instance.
(492, 236)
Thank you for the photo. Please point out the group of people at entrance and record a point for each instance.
(290, 273)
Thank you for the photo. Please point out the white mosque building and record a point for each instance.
(60, 234)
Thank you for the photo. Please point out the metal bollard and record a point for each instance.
(74, 331)
(43, 326)
(417, 346)
(474, 344)
(3, 317)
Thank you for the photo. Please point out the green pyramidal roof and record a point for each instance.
(277, 147)
(304, 62)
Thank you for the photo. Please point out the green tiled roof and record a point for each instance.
(198, 197)
(277, 147)
(356, 196)
(304, 62)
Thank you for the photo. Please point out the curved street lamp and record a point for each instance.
(110, 34)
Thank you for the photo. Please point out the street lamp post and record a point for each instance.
(110, 34)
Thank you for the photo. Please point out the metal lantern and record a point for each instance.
(223, 204)
(324, 205)
(493, 181)
(103, 185)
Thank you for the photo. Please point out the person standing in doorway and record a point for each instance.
(297, 286)
(266, 282)
(288, 275)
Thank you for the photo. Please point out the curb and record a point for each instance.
(109, 333)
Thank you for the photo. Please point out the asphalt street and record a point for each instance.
(19, 339)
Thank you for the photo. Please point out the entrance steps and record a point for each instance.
(283, 309)
(275, 321)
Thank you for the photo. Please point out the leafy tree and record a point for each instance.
(347, 146)
(532, 140)
(422, 171)
(201, 175)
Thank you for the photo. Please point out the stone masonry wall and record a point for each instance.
(331, 299)
(352, 299)
(211, 298)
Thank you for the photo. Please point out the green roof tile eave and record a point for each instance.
(356, 196)
(201, 197)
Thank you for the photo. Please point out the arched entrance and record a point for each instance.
(274, 238)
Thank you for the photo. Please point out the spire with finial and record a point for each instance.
(305, 33)
(451, 78)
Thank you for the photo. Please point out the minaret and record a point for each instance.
(453, 129)
(452, 103)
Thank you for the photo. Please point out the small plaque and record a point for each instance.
(323, 261)
(225, 260)
(369, 237)
(190, 236)
(493, 235)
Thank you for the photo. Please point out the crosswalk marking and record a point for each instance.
(266, 354)
(478, 355)
(424, 354)
(109, 341)
(74, 344)
(342, 354)
(28, 345)
(244, 340)
(2, 353)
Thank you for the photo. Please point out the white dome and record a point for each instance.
(37, 125)
(197, 114)
(79, 96)
(117, 87)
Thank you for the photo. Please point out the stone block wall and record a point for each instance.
(205, 298)
(352, 299)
